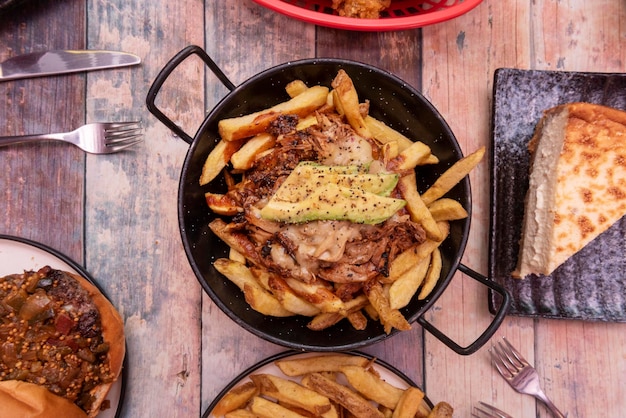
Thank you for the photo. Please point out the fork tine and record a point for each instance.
(513, 353)
(119, 136)
(117, 125)
(119, 146)
(489, 411)
(501, 362)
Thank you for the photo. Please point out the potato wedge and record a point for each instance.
(452, 176)
(446, 209)
(246, 155)
(241, 127)
(432, 276)
(267, 409)
(342, 395)
(257, 297)
(294, 394)
(409, 403)
(372, 386)
(317, 364)
(402, 290)
(389, 317)
(218, 159)
(235, 398)
(417, 207)
(412, 156)
(295, 88)
(346, 100)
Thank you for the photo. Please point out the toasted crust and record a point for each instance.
(577, 183)
(113, 333)
(23, 399)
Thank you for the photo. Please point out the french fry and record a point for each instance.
(240, 413)
(326, 319)
(346, 101)
(285, 295)
(292, 393)
(409, 403)
(385, 134)
(245, 156)
(341, 394)
(432, 276)
(218, 159)
(222, 204)
(235, 398)
(257, 297)
(317, 294)
(267, 409)
(317, 364)
(372, 386)
(390, 318)
(235, 240)
(417, 207)
(402, 290)
(446, 209)
(452, 176)
(410, 157)
(249, 125)
(295, 88)
(441, 410)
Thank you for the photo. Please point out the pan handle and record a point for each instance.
(491, 329)
(165, 73)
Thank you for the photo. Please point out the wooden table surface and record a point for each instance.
(117, 216)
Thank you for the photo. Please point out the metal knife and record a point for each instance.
(39, 64)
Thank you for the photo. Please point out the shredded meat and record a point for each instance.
(340, 252)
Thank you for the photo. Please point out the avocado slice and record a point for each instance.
(334, 202)
(308, 176)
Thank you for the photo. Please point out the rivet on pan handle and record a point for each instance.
(491, 329)
(165, 73)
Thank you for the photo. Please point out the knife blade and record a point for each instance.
(47, 63)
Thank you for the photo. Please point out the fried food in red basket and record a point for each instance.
(364, 9)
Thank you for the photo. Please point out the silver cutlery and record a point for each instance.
(520, 375)
(39, 64)
(488, 411)
(95, 138)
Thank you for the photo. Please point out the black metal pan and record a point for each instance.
(392, 101)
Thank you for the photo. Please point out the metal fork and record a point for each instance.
(488, 411)
(520, 375)
(95, 138)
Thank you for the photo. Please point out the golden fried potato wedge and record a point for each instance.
(247, 154)
(452, 176)
(432, 276)
(346, 101)
(389, 317)
(218, 159)
(412, 156)
(402, 290)
(257, 297)
(372, 386)
(326, 319)
(295, 87)
(287, 297)
(341, 394)
(317, 364)
(267, 409)
(417, 208)
(446, 209)
(235, 398)
(409, 403)
(241, 127)
(294, 394)
(385, 134)
(441, 410)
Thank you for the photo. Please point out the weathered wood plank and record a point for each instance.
(42, 183)
(132, 238)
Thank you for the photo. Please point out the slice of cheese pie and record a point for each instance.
(577, 184)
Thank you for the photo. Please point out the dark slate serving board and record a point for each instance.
(591, 285)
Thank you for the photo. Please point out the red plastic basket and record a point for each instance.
(403, 14)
